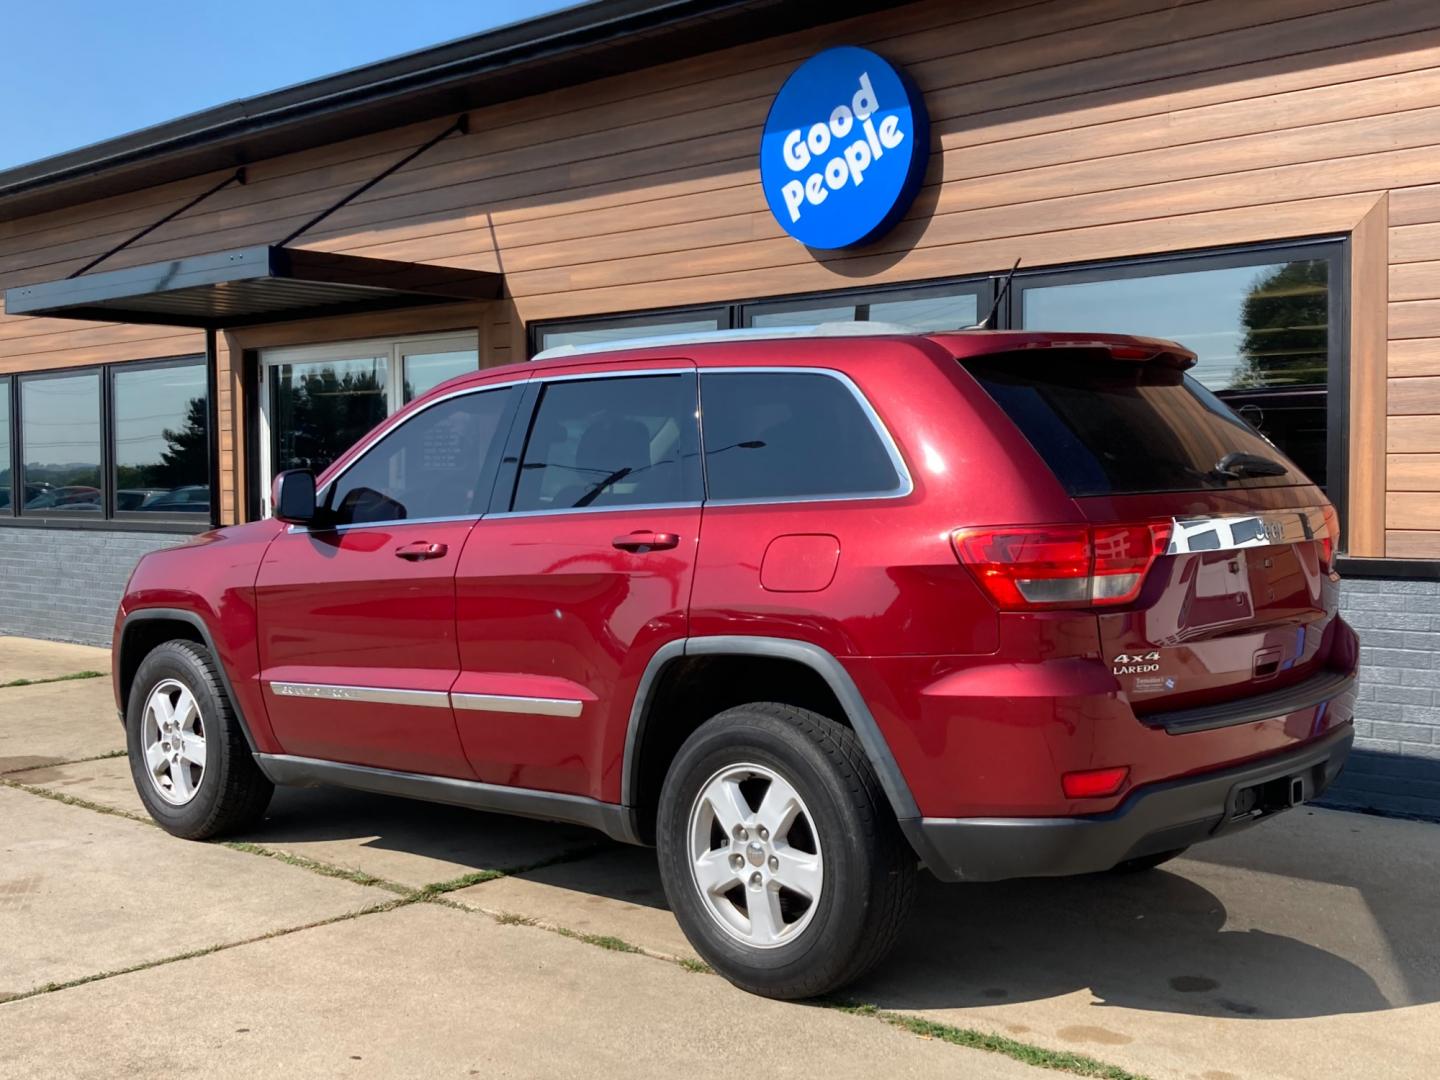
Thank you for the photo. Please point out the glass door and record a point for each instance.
(318, 401)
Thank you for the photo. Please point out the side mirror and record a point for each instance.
(293, 496)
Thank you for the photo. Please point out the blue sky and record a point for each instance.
(74, 72)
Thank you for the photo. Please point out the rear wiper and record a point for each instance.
(1237, 466)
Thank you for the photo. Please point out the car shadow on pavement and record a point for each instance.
(1154, 940)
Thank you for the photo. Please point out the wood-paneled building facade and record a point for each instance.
(1258, 179)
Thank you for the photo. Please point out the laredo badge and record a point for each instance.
(1136, 663)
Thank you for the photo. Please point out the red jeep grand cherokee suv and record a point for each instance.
(804, 610)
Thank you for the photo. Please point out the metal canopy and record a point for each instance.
(250, 285)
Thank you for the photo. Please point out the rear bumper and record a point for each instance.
(1159, 817)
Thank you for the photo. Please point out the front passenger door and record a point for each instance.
(357, 619)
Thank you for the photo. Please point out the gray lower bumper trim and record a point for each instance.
(1160, 817)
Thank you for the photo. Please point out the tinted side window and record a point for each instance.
(430, 466)
(789, 435)
(611, 442)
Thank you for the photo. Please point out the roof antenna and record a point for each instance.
(984, 324)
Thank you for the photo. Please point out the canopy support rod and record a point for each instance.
(237, 177)
(461, 124)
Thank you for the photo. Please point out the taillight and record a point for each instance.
(1328, 541)
(1045, 566)
(1094, 783)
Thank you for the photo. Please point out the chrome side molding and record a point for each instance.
(436, 699)
(1232, 532)
(381, 695)
(508, 703)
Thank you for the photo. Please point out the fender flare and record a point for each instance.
(190, 617)
(823, 663)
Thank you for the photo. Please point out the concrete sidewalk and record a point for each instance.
(408, 939)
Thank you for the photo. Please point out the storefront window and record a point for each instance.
(622, 330)
(161, 419)
(7, 473)
(1260, 328)
(423, 371)
(319, 409)
(60, 444)
(952, 308)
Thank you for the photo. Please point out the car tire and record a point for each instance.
(840, 843)
(1148, 862)
(190, 762)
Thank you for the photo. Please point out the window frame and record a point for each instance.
(14, 516)
(111, 487)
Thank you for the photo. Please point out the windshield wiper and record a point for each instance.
(1238, 465)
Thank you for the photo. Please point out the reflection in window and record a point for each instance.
(610, 442)
(425, 371)
(952, 311)
(319, 409)
(1261, 334)
(428, 467)
(6, 469)
(60, 443)
(162, 440)
(601, 334)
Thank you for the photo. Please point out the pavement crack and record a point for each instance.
(60, 763)
(55, 987)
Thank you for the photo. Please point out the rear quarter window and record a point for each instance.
(791, 435)
(1115, 428)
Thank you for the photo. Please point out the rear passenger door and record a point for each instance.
(581, 571)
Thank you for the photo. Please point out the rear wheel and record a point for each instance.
(779, 853)
(188, 756)
(1147, 862)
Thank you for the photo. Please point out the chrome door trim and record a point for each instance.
(1233, 532)
(379, 695)
(534, 706)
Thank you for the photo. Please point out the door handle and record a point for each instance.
(420, 550)
(642, 540)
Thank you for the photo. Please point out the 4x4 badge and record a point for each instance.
(1136, 663)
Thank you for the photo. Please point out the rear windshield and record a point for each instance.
(1116, 428)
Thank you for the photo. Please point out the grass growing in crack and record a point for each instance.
(512, 918)
(55, 678)
(71, 800)
(698, 967)
(1059, 1060)
(68, 761)
(359, 877)
(50, 988)
(600, 941)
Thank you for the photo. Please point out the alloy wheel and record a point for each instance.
(754, 855)
(174, 741)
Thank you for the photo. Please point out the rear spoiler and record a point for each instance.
(1123, 347)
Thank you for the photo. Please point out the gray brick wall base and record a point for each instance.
(1395, 768)
(65, 584)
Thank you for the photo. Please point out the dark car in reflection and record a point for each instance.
(70, 497)
(190, 499)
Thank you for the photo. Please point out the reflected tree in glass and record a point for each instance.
(1285, 320)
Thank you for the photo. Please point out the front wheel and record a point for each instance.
(188, 756)
(779, 853)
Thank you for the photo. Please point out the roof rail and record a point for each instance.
(753, 333)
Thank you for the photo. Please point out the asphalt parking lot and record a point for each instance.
(360, 935)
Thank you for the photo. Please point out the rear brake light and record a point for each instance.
(1046, 566)
(1094, 783)
(1328, 541)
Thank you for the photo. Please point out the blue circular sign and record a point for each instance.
(844, 149)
